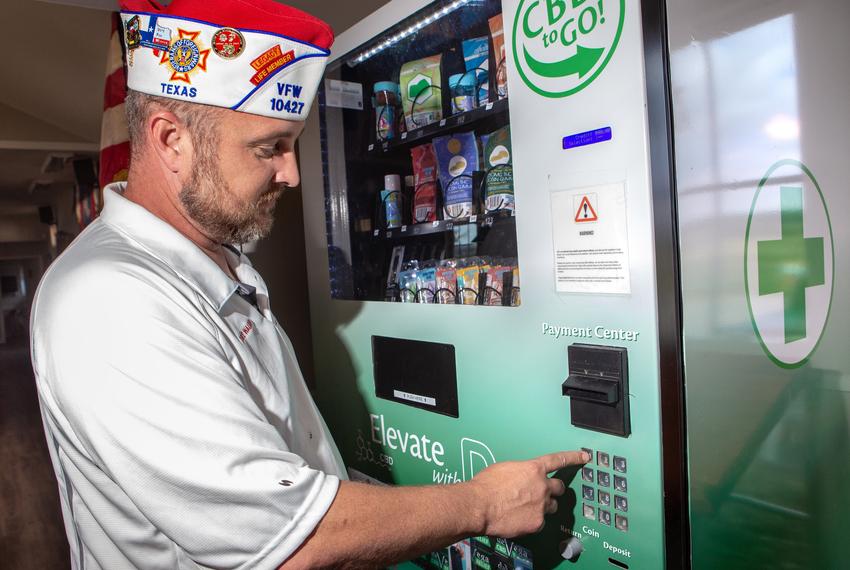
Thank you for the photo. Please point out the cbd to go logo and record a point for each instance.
(561, 46)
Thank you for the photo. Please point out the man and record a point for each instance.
(180, 428)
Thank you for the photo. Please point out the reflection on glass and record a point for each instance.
(768, 447)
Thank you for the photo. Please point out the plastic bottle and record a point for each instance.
(387, 99)
(391, 197)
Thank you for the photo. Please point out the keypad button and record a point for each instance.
(620, 464)
(621, 522)
(589, 512)
(589, 453)
(587, 474)
(621, 503)
(588, 493)
(621, 484)
(605, 517)
(603, 478)
(603, 459)
(604, 498)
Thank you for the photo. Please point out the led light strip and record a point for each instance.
(412, 29)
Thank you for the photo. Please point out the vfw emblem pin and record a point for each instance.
(561, 46)
(788, 263)
(185, 56)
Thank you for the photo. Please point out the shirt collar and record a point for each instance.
(167, 244)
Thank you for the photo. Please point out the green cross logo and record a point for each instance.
(792, 264)
(788, 263)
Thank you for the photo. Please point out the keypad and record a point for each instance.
(621, 523)
(621, 503)
(600, 492)
(620, 464)
(621, 484)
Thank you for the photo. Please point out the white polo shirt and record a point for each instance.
(179, 425)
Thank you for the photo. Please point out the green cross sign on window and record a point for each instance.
(789, 261)
(792, 264)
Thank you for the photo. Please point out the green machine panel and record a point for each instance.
(481, 252)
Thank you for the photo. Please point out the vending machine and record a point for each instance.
(498, 262)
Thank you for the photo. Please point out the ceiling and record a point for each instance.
(53, 73)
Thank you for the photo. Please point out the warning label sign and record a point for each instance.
(586, 209)
(591, 243)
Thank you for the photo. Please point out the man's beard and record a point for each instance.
(222, 216)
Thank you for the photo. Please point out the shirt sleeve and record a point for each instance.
(140, 375)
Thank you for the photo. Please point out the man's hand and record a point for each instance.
(518, 494)
(368, 526)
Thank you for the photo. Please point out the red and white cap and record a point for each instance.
(254, 56)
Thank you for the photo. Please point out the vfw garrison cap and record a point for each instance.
(254, 56)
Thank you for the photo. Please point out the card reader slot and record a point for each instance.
(591, 389)
(598, 387)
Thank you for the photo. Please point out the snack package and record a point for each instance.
(476, 58)
(440, 560)
(426, 285)
(493, 294)
(520, 556)
(497, 32)
(457, 159)
(462, 87)
(499, 182)
(461, 555)
(408, 285)
(484, 557)
(424, 183)
(421, 94)
(467, 284)
(446, 285)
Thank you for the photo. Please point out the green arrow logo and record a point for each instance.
(561, 46)
(582, 62)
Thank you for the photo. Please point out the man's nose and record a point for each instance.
(286, 170)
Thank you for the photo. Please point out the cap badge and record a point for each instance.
(228, 43)
(185, 56)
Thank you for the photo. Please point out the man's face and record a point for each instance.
(241, 166)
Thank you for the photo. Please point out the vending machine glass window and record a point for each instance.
(416, 151)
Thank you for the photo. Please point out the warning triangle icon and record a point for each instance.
(585, 212)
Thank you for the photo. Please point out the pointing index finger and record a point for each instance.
(554, 461)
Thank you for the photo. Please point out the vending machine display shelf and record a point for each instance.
(440, 226)
(445, 125)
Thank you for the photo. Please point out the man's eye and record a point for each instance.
(269, 151)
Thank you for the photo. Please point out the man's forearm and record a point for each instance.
(369, 526)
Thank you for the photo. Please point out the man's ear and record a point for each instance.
(170, 140)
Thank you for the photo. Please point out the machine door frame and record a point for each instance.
(668, 282)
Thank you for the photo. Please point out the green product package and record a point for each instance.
(422, 98)
(499, 192)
